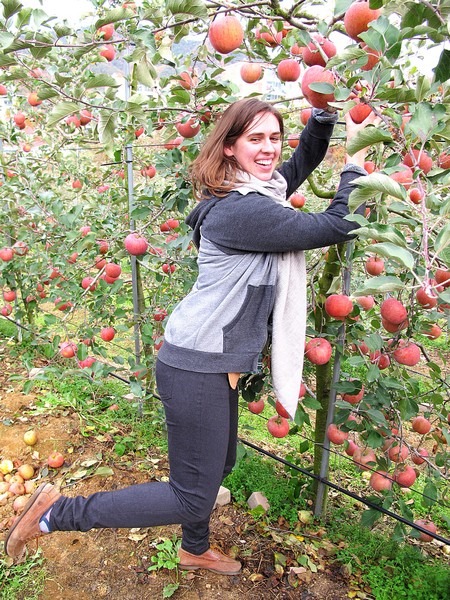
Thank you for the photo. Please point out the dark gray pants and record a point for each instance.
(201, 414)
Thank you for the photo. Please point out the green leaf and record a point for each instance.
(400, 255)
(113, 16)
(442, 239)
(104, 472)
(6, 39)
(102, 80)
(442, 69)
(369, 517)
(60, 111)
(10, 8)
(379, 285)
(368, 137)
(381, 233)
(106, 129)
(430, 494)
(196, 8)
(311, 403)
(145, 72)
(379, 182)
(322, 88)
(427, 120)
(140, 213)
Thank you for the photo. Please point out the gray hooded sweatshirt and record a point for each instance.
(221, 326)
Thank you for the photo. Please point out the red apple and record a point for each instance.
(311, 54)
(419, 159)
(135, 244)
(226, 33)
(318, 351)
(85, 229)
(360, 112)
(288, 69)
(365, 459)
(373, 58)
(278, 426)
(87, 362)
(6, 254)
(366, 302)
(357, 18)
(106, 31)
(318, 74)
(338, 306)
(160, 314)
(256, 406)
(189, 128)
(251, 72)
(88, 283)
(336, 435)
(281, 410)
(9, 295)
(55, 460)
(407, 353)
(293, 141)
(68, 349)
(404, 176)
(354, 398)
(297, 200)
(442, 277)
(168, 268)
(426, 297)
(398, 452)
(374, 265)
(444, 160)
(6, 310)
(85, 116)
(380, 480)
(429, 526)
(113, 270)
(405, 476)
(77, 184)
(305, 113)
(33, 99)
(393, 311)
(108, 52)
(418, 456)
(107, 333)
(421, 425)
(415, 195)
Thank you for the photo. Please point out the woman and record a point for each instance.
(251, 273)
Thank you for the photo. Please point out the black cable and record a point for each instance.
(334, 486)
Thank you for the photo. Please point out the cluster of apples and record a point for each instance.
(18, 479)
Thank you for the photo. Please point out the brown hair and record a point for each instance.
(213, 173)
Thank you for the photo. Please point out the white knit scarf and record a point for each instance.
(289, 312)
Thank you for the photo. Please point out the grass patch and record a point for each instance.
(390, 569)
(24, 581)
(253, 473)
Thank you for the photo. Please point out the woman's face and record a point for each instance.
(258, 149)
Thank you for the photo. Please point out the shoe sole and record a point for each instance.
(195, 568)
(27, 507)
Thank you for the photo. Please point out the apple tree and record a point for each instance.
(101, 121)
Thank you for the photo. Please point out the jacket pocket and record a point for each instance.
(247, 332)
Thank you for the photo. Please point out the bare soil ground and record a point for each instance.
(113, 563)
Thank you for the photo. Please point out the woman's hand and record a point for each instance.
(352, 129)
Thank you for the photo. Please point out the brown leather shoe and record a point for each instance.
(26, 526)
(213, 560)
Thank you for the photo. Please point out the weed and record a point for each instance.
(25, 580)
(392, 570)
(166, 557)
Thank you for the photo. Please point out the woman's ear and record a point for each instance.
(228, 151)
